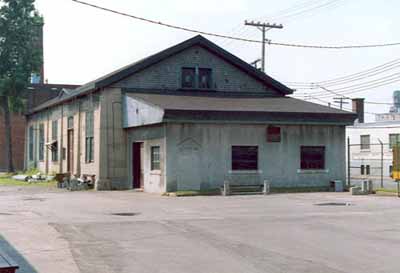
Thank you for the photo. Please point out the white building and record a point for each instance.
(370, 146)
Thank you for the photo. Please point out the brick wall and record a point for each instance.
(18, 141)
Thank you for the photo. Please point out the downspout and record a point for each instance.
(78, 159)
(113, 134)
(47, 139)
(61, 154)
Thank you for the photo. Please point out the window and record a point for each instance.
(54, 135)
(89, 142)
(244, 158)
(312, 157)
(362, 169)
(394, 139)
(31, 143)
(70, 123)
(365, 142)
(41, 142)
(367, 170)
(155, 158)
(204, 78)
(188, 77)
(196, 78)
(273, 134)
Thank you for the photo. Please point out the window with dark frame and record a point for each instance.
(365, 142)
(368, 170)
(70, 123)
(155, 158)
(204, 79)
(31, 143)
(312, 157)
(54, 136)
(41, 142)
(89, 138)
(274, 134)
(194, 77)
(362, 169)
(394, 139)
(188, 77)
(244, 158)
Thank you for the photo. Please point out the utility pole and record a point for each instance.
(341, 101)
(264, 27)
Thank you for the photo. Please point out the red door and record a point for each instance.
(136, 165)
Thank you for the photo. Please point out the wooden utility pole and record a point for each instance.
(264, 27)
(341, 101)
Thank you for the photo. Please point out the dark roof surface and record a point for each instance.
(269, 104)
(153, 59)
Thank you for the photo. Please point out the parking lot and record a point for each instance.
(57, 231)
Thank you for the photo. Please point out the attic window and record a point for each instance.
(196, 78)
(188, 77)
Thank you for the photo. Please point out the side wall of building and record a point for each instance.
(76, 112)
(199, 156)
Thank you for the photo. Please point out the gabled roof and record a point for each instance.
(199, 40)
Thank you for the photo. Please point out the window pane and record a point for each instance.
(244, 158)
(365, 141)
(188, 77)
(89, 128)
(205, 78)
(362, 171)
(30, 143)
(394, 139)
(312, 157)
(70, 123)
(41, 141)
(155, 158)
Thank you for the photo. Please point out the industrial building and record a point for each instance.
(371, 143)
(188, 118)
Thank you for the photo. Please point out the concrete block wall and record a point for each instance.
(112, 164)
(18, 123)
(199, 155)
(167, 74)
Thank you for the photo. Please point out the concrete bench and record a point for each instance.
(7, 265)
(237, 189)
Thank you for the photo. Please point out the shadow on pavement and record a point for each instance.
(8, 249)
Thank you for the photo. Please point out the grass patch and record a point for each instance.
(6, 180)
(197, 192)
(386, 190)
(299, 189)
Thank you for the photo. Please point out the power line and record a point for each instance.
(232, 37)
(352, 76)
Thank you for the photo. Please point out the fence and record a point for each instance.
(370, 161)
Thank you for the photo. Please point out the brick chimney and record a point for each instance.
(38, 42)
(358, 108)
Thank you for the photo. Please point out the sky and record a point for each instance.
(82, 43)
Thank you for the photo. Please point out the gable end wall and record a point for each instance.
(167, 74)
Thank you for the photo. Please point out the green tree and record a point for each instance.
(19, 58)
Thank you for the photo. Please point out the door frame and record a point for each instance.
(136, 162)
(70, 154)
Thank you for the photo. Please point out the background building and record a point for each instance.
(371, 145)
